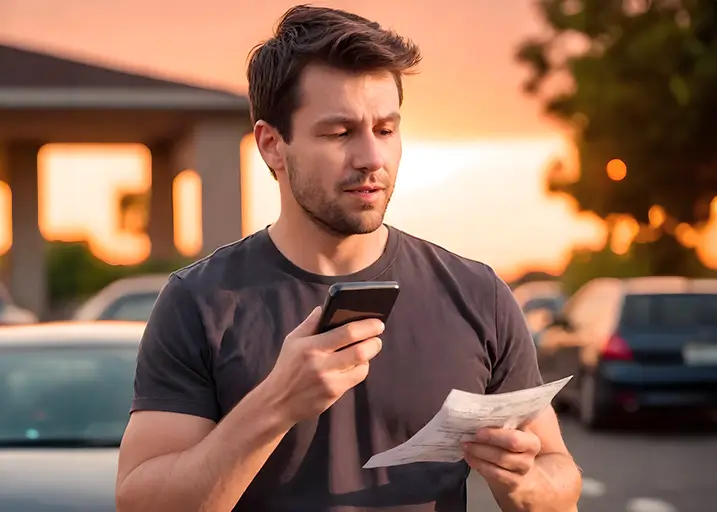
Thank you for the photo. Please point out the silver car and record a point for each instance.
(65, 394)
(128, 299)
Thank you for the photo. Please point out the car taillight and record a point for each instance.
(617, 349)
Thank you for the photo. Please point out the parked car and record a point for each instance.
(11, 313)
(65, 394)
(539, 301)
(129, 299)
(644, 343)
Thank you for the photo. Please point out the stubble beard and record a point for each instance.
(329, 215)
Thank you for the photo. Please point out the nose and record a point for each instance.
(367, 154)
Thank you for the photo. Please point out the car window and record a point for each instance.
(75, 394)
(133, 308)
(669, 311)
(550, 303)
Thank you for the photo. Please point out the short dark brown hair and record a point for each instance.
(308, 35)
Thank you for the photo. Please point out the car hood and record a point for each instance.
(58, 480)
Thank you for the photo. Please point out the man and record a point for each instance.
(240, 406)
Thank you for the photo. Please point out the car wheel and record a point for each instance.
(560, 406)
(591, 414)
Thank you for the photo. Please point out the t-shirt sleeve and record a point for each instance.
(173, 362)
(516, 366)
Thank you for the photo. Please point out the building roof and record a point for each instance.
(32, 79)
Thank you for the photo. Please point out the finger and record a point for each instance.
(519, 463)
(360, 353)
(340, 382)
(515, 441)
(350, 333)
(494, 474)
(308, 326)
(355, 375)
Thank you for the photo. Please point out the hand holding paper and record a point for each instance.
(460, 417)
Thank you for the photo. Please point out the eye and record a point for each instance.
(386, 132)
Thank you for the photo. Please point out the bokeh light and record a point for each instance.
(616, 169)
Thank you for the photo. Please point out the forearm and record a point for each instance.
(212, 475)
(553, 485)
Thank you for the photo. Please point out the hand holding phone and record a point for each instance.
(322, 358)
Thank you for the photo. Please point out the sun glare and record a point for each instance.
(5, 217)
(484, 200)
(80, 187)
(187, 192)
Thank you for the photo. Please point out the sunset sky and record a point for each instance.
(475, 147)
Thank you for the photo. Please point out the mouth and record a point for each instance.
(367, 190)
(366, 194)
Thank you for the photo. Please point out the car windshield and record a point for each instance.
(70, 396)
(667, 311)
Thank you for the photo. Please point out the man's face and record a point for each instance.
(345, 149)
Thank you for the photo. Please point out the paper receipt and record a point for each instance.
(460, 416)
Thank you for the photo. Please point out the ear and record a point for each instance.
(269, 143)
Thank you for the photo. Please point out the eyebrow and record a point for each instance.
(334, 120)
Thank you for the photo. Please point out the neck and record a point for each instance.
(317, 251)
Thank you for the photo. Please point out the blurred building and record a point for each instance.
(45, 99)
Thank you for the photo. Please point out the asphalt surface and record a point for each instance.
(655, 464)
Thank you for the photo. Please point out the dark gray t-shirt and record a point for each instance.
(218, 326)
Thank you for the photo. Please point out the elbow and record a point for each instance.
(126, 497)
(123, 498)
(573, 490)
(564, 480)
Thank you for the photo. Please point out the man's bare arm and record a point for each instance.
(554, 483)
(179, 462)
(183, 463)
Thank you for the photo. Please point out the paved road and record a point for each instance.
(671, 467)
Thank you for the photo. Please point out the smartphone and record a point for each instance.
(349, 302)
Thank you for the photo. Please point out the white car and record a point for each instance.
(130, 299)
(65, 395)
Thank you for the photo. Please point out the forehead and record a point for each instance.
(328, 90)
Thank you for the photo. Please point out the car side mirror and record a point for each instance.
(561, 321)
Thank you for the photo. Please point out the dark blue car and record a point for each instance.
(634, 344)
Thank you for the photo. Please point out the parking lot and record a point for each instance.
(647, 465)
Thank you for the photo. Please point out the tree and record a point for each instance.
(641, 93)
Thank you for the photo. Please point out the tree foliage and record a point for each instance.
(641, 86)
(75, 273)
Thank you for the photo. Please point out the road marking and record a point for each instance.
(592, 488)
(649, 505)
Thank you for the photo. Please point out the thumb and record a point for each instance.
(308, 326)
